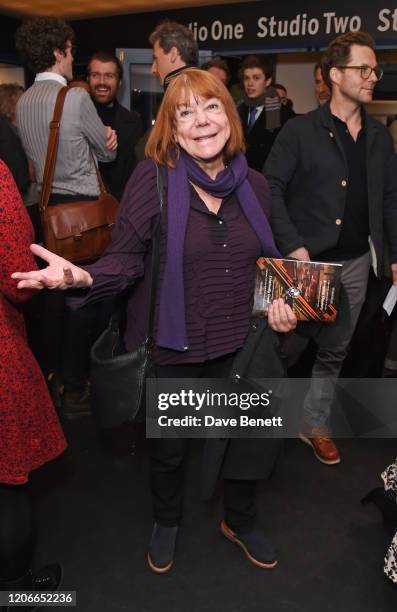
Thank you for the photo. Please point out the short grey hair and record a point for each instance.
(172, 34)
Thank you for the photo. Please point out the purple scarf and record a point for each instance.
(172, 323)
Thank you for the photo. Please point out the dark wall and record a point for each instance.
(264, 25)
(130, 31)
(8, 25)
(91, 34)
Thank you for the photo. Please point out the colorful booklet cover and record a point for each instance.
(311, 288)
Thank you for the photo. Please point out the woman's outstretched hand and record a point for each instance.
(59, 274)
(281, 317)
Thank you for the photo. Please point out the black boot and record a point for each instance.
(386, 502)
(48, 578)
(162, 548)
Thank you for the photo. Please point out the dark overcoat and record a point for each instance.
(259, 139)
(128, 126)
(308, 173)
(246, 458)
(13, 155)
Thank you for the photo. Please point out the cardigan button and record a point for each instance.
(331, 134)
(343, 183)
(338, 221)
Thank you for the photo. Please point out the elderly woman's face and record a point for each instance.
(202, 129)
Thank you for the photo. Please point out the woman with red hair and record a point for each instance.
(214, 226)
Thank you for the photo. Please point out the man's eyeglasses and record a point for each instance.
(366, 70)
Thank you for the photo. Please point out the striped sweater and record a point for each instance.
(80, 130)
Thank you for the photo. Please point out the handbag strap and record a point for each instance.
(155, 257)
(52, 149)
(117, 314)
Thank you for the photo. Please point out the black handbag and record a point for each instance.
(118, 378)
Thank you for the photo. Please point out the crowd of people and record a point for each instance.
(241, 180)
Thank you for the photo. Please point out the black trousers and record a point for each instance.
(167, 463)
(66, 337)
(17, 536)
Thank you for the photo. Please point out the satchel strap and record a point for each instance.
(52, 149)
(155, 256)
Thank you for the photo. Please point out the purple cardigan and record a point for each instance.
(220, 252)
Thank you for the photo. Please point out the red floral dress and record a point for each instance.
(30, 433)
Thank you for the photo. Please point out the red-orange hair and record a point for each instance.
(161, 145)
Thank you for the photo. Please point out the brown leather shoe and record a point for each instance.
(256, 547)
(76, 404)
(324, 448)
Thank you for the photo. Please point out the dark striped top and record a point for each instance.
(220, 252)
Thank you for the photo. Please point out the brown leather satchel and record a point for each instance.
(78, 231)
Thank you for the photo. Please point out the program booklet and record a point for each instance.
(311, 288)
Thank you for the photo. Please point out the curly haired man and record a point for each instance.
(46, 46)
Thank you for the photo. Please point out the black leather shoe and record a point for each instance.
(257, 549)
(386, 502)
(48, 578)
(162, 548)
